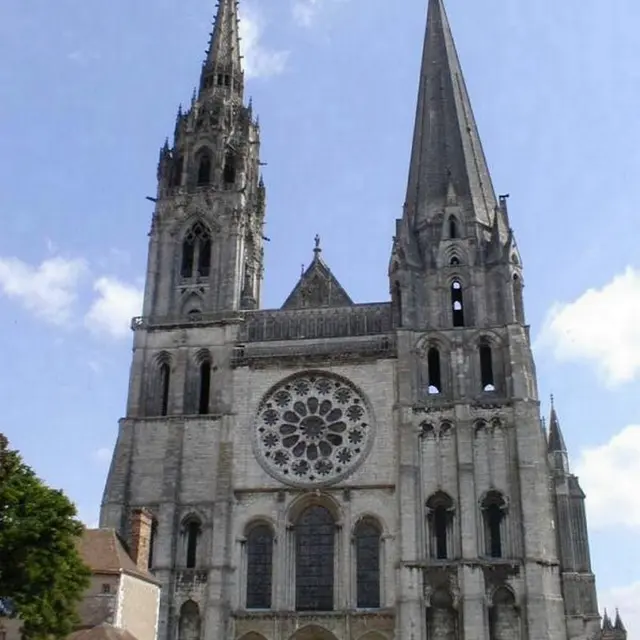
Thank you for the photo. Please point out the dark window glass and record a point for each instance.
(493, 517)
(457, 304)
(165, 379)
(440, 526)
(453, 227)
(229, 173)
(315, 533)
(204, 169)
(486, 368)
(188, 253)
(205, 388)
(204, 257)
(259, 567)
(368, 566)
(176, 176)
(193, 533)
(435, 375)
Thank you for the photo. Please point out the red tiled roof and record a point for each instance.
(104, 552)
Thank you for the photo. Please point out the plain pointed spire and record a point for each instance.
(556, 447)
(447, 153)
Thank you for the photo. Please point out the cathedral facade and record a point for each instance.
(331, 470)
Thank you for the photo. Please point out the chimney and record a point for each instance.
(141, 528)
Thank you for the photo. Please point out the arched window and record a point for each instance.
(453, 227)
(152, 543)
(189, 623)
(504, 622)
(440, 526)
(204, 169)
(205, 387)
(457, 304)
(454, 262)
(435, 372)
(192, 529)
(518, 301)
(259, 567)
(315, 538)
(176, 173)
(441, 616)
(196, 252)
(486, 367)
(367, 542)
(493, 514)
(165, 384)
(230, 169)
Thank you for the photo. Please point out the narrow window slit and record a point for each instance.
(435, 372)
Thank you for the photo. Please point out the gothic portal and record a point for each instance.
(332, 470)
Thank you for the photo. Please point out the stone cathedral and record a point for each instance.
(332, 470)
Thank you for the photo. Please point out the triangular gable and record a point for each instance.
(317, 287)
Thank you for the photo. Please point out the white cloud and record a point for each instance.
(102, 455)
(259, 60)
(112, 310)
(601, 327)
(305, 12)
(49, 290)
(610, 476)
(627, 599)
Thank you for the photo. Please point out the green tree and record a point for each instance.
(42, 575)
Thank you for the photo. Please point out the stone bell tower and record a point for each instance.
(211, 199)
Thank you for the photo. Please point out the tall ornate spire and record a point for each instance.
(447, 155)
(222, 67)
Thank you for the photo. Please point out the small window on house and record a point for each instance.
(486, 367)
(457, 304)
(204, 169)
(165, 379)
(106, 588)
(435, 372)
(453, 228)
(192, 533)
(493, 512)
(205, 387)
(229, 173)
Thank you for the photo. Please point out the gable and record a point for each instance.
(317, 288)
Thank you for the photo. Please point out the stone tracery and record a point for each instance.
(313, 429)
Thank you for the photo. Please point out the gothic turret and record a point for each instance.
(557, 449)
(578, 580)
(613, 630)
(210, 193)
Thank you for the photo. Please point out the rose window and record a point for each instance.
(313, 429)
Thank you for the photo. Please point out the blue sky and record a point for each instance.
(88, 92)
